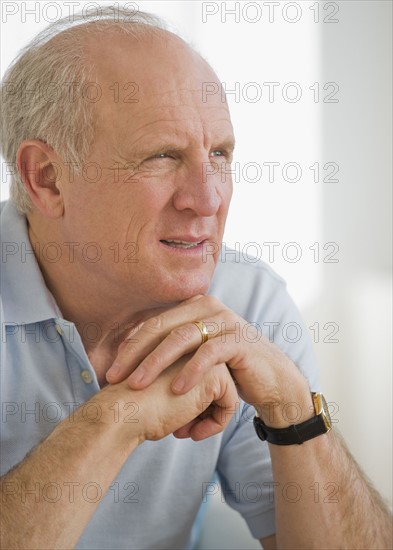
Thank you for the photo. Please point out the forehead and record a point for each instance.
(156, 83)
(155, 60)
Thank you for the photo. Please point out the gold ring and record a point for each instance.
(203, 330)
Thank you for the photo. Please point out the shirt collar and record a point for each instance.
(26, 299)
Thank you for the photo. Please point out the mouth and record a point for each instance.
(174, 243)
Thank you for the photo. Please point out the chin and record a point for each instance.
(186, 286)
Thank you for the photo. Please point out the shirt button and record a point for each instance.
(59, 330)
(86, 376)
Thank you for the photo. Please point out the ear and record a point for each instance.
(40, 170)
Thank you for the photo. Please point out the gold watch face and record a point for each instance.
(321, 407)
(325, 413)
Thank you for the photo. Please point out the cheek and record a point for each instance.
(145, 194)
(135, 219)
(226, 189)
(226, 197)
(229, 191)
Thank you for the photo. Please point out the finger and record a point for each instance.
(179, 342)
(213, 352)
(205, 428)
(131, 351)
(154, 330)
(184, 431)
(219, 415)
(211, 422)
(222, 401)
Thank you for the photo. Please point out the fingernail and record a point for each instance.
(179, 384)
(115, 369)
(137, 376)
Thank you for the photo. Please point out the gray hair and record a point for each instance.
(38, 90)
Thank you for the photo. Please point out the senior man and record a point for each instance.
(115, 299)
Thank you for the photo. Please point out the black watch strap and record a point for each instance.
(294, 434)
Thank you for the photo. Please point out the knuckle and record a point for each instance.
(182, 335)
(154, 324)
(213, 302)
(197, 366)
(130, 339)
(215, 305)
(130, 349)
(154, 361)
(209, 349)
(204, 357)
(226, 313)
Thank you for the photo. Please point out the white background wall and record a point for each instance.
(348, 124)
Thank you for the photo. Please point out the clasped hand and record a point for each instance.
(262, 373)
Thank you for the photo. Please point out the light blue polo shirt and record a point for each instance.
(46, 374)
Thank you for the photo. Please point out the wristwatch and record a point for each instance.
(298, 433)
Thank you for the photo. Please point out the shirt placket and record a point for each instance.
(83, 376)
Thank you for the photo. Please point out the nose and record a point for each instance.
(197, 189)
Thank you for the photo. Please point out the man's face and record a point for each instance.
(161, 179)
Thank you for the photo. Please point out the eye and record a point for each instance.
(159, 156)
(220, 153)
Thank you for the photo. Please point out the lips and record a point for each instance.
(176, 243)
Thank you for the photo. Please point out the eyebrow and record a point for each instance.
(228, 143)
(170, 147)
